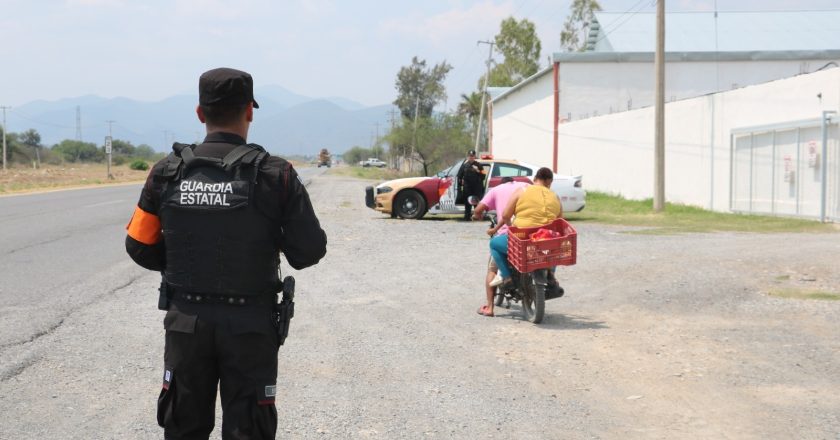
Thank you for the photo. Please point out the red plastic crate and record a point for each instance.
(526, 255)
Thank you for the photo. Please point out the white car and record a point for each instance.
(413, 197)
(374, 162)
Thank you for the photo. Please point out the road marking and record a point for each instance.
(103, 203)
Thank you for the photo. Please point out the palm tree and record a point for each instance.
(470, 106)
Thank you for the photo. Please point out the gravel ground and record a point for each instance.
(657, 337)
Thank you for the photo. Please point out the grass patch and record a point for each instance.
(677, 218)
(783, 278)
(805, 294)
(367, 173)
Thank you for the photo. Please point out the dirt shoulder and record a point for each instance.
(667, 336)
(19, 180)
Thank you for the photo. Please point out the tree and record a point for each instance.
(144, 151)
(121, 148)
(14, 148)
(470, 106)
(517, 41)
(420, 88)
(77, 151)
(440, 140)
(356, 155)
(576, 27)
(32, 139)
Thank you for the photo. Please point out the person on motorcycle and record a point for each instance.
(535, 205)
(495, 200)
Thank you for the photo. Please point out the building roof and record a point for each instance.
(705, 36)
(496, 91)
(648, 57)
(507, 91)
(724, 31)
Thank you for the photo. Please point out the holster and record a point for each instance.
(163, 295)
(285, 310)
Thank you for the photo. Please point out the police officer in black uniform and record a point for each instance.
(213, 219)
(471, 182)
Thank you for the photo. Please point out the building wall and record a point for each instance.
(523, 126)
(522, 120)
(592, 89)
(614, 153)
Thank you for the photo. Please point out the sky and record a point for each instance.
(152, 49)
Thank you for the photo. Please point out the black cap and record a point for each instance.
(471, 153)
(224, 86)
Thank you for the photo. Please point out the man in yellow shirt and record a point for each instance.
(535, 205)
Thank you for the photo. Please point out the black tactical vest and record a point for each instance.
(217, 240)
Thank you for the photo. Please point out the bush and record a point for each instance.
(139, 165)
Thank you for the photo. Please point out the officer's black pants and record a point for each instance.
(234, 347)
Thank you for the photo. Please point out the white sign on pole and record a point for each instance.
(107, 144)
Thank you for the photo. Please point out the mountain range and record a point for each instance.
(286, 123)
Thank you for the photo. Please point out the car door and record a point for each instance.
(520, 173)
(449, 184)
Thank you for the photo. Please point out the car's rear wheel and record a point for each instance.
(410, 205)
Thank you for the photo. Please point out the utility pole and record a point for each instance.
(416, 111)
(392, 113)
(78, 123)
(659, 136)
(4, 134)
(108, 142)
(483, 92)
(376, 141)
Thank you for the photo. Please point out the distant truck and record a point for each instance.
(373, 162)
(324, 158)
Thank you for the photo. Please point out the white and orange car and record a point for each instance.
(413, 197)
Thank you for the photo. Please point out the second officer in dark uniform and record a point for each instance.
(214, 218)
(470, 182)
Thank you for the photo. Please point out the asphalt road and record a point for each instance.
(658, 336)
(60, 251)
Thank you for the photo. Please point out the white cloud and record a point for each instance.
(452, 24)
(95, 3)
(696, 5)
(317, 7)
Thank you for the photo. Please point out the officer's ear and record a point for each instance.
(249, 112)
(200, 114)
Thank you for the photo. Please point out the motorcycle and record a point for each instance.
(532, 288)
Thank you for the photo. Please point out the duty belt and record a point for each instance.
(233, 300)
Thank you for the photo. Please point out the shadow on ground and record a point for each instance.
(552, 321)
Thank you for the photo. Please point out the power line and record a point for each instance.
(30, 119)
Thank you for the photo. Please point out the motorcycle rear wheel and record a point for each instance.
(499, 298)
(533, 299)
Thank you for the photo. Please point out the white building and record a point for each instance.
(705, 53)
